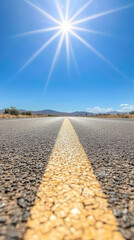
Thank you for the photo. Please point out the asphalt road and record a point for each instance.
(25, 147)
(109, 145)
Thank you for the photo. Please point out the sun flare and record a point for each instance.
(65, 27)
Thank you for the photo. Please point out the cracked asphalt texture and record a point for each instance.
(25, 148)
(109, 145)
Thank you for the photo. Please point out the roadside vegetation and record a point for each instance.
(26, 113)
(119, 115)
(13, 112)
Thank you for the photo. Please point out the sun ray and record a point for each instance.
(102, 14)
(55, 59)
(67, 47)
(81, 10)
(39, 51)
(42, 11)
(59, 10)
(89, 30)
(74, 58)
(67, 10)
(36, 31)
(66, 33)
(97, 53)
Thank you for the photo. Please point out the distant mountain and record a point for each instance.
(111, 113)
(48, 112)
(81, 113)
(115, 113)
(56, 113)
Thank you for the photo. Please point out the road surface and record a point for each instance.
(57, 175)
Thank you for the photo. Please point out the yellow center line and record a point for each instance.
(70, 204)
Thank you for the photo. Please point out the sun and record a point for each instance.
(65, 27)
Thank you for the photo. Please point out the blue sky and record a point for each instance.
(89, 83)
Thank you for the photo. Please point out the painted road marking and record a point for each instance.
(70, 203)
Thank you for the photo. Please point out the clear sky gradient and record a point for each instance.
(88, 83)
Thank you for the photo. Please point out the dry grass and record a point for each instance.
(20, 116)
(131, 116)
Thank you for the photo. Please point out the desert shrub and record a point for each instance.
(14, 111)
(132, 112)
(11, 111)
(27, 113)
(7, 111)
